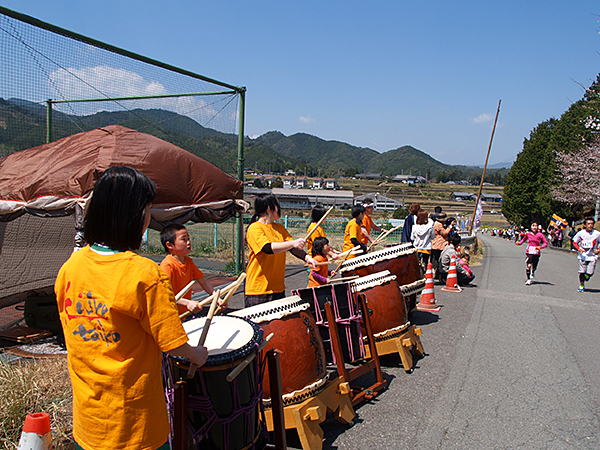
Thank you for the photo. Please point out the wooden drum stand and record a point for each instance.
(338, 396)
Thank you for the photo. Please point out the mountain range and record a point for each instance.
(23, 125)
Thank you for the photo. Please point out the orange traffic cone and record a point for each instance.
(452, 280)
(36, 433)
(427, 302)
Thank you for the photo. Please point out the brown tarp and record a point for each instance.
(53, 179)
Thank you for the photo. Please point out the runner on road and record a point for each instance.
(535, 242)
(586, 242)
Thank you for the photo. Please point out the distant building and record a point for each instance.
(301, 182)
(368, 176)
(406, 179)
(307, 199)
(463, 196)
(290, 172)
(381, 202)
(492, 198)
(288, 182)
(331, 183)
(317, 183)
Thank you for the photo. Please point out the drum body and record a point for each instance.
(296, 336)
(347, 317)
(385, 300)
(400, 260)
(222, 414)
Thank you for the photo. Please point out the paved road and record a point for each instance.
(508, 366)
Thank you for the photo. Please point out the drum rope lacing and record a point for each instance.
(354, 316)
(379, 255)
(203, 405)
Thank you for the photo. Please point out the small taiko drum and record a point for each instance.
(346, 314)
(222, 414)
(401, 260)
(389, 315)
(296, 336)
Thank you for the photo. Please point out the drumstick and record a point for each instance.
(346, 257)
(324, 263)
(211, 313)
(184, 291)
(229, 289)
(318, 223)
(235, 372)
(239, 281)
(353, 277)
(381, 238)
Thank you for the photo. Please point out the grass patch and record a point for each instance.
(476, 254)
(30, 386)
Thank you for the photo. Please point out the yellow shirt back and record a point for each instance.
(118, 314)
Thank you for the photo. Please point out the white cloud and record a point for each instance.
(106, 81)
(482, 118)
(306, 119)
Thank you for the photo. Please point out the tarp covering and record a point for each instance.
(52, 179)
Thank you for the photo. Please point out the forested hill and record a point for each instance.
(23, 125)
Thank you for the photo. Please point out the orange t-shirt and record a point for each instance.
(181, 275)
(118, 315)
(319, 232)
(352, 231)
(367, 224)
(321, 270)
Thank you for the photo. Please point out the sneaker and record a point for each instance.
(528, 282)
(581, 289)
(587, 277)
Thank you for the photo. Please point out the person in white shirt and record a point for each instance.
(422, 236)
(586, 242)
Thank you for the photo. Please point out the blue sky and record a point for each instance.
(378, 74)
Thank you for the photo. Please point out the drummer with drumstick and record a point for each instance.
(367, 223)
(181, 268)
(268, 243)
(353, 233)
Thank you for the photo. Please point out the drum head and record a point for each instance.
(227, 336)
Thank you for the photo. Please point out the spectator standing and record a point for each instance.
(440, 240)
(409, 222)
(422, 237)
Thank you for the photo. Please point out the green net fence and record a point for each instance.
(54, 83)
(211, 241)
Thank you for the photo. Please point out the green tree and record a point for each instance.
(534, 176)
(277, 183)
(400, 213)
(526, 193)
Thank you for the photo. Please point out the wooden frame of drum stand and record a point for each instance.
(338, 396)
(357, 394)
(305, 417)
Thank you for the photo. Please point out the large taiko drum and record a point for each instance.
(346, 315)
(401, 260)
(389, 316)
(302, 362)
(221, 414)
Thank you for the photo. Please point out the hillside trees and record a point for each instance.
(526, 192)
(534, 182)
(578, 174)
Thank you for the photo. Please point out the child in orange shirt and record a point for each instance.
(180, 267)
(321, 274)
(118, 314)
